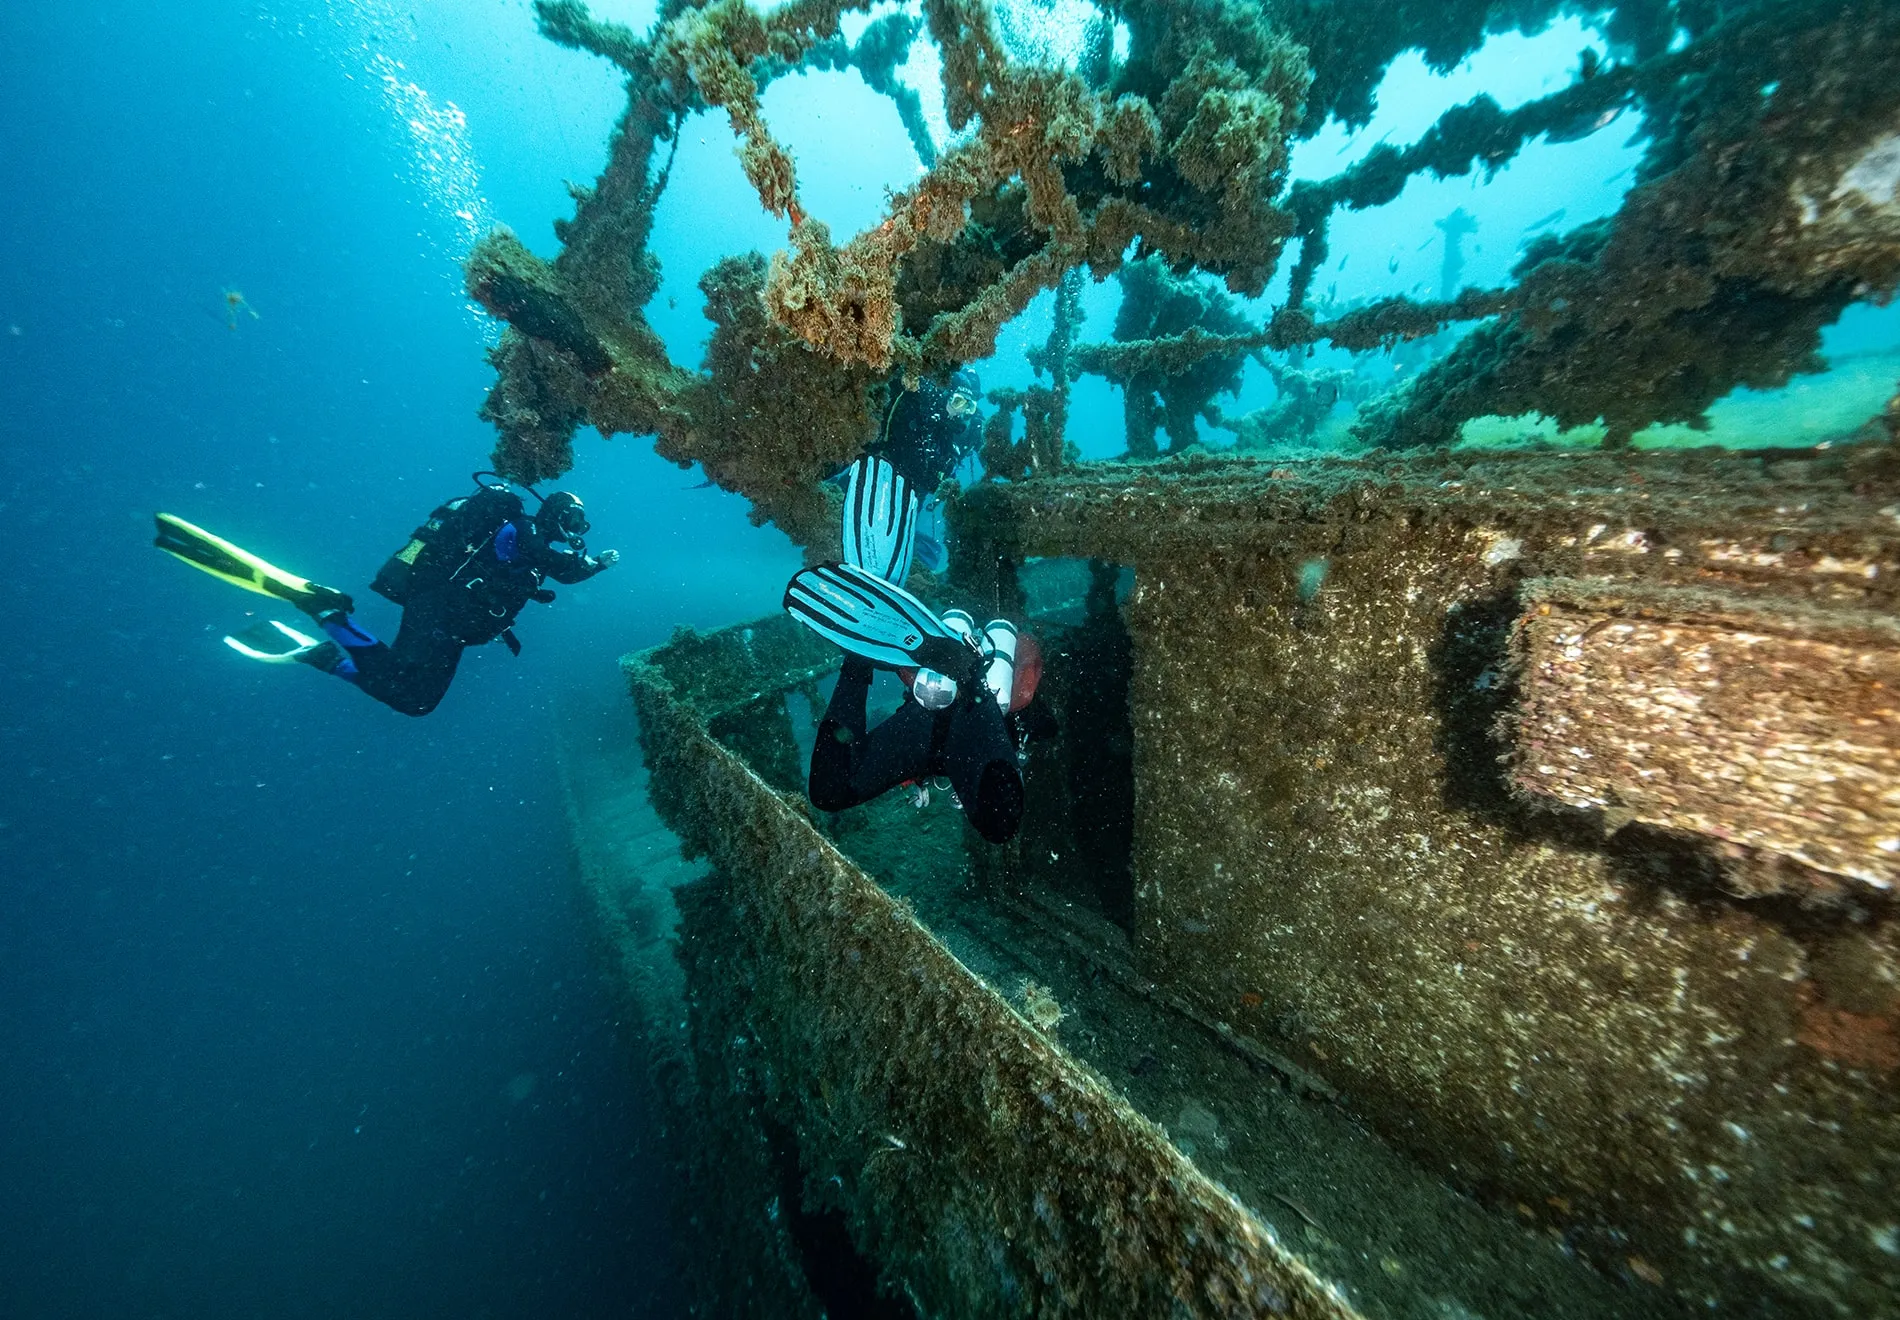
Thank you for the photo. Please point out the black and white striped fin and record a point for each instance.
(863, 613)
(880, 520)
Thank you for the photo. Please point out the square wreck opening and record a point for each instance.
(1077, 840)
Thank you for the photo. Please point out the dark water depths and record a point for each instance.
(296, 1013)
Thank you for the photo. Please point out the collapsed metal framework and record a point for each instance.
(1765, 205)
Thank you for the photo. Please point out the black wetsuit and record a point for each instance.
(476, 603)
(972, 742)
(923, 440)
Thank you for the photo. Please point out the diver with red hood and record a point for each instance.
(967, 715)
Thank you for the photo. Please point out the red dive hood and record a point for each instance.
(1028, 671)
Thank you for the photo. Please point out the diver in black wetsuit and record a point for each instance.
(928, 431)
(461, 580)
(971, 740)
(966, 715)
(931, 429)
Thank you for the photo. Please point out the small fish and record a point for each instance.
(707, 484)
(1582, 126)
(1306, 1216)
(233, 304)
(1392, 266)
(1546, 222)
(1343, 260)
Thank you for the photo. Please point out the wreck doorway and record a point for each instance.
(1077, 840)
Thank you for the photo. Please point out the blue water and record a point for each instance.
(296, 1011)
(276, 964)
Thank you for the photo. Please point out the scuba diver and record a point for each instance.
(461, 580)
(928, 431)
(967, 715)
(931, 429)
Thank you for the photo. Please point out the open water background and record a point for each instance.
(296, 1013)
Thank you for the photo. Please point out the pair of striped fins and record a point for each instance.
(859, 604)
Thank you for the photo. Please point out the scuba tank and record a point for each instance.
(443, 548)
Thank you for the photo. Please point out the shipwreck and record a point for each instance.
(1463, 883)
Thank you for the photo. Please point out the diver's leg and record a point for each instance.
(850, 766)
(980, 759)
(414, 674)
(896, 751)
(840, 735)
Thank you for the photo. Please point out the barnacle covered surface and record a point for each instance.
(979, 1169)
(1675, 1047)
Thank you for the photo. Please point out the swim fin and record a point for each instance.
(241, 568)
(277, 643)
(880, 520)
(867, 616)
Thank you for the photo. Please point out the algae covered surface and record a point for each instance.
(1460, 881)
(1628, 1034)
(1439, 1043)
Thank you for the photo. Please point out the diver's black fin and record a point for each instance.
(880, 520)
(871, 617)
(218, 557)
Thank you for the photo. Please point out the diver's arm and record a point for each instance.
(567, 568)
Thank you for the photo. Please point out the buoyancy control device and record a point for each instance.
(446, 547)
(457, 547)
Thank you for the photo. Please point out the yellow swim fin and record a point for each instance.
(241, 568)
